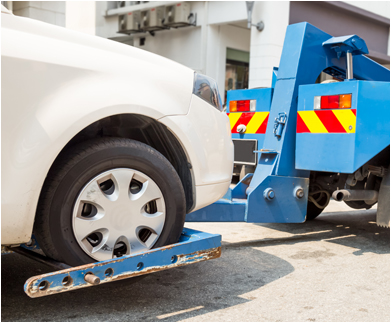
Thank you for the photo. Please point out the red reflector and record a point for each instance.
(243, 106)
(329, 102)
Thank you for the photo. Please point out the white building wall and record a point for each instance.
(106, 27)
(222, 37)
(52, 12)
(183, 45)
(266, 45)
(223, 12)
(220, 25)
(203, 48)
(180, 45)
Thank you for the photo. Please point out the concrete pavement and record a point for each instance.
(335, 268)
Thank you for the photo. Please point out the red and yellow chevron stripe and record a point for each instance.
(255, 122)
(326, 121)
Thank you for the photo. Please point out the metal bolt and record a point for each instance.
(350, 127)
(268, 194)
(92, 279)
(299, 193)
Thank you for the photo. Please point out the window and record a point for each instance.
(236, 71)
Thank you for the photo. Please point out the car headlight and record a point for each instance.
(206, 89)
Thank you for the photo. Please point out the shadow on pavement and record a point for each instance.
(188, 291)
(356, 229)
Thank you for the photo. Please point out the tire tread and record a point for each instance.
(60, 168)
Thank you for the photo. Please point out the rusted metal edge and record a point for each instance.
(193, 246)
(48, 284)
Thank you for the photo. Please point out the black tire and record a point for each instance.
(358, 204)
(77, 166)
(313, 211)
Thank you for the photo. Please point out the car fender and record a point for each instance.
(36, 137)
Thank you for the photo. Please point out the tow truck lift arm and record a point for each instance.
(278, 191)
(193, 246)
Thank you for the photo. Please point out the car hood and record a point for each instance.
(112, 50)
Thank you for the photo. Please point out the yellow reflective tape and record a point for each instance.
(233, 118)
(347, 119)
(312, 122)
(256, 122)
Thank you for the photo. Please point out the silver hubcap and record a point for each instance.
(119, 212)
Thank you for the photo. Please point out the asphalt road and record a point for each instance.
(335, 268)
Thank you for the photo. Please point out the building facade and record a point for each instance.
(215, 40)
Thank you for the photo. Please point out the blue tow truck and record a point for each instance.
(307, 142)
(311, 142)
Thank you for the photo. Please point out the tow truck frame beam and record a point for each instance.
(193, 246)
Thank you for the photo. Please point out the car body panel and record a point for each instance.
(213, 159)
(56, 82)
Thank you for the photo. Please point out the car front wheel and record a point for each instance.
(108, 198)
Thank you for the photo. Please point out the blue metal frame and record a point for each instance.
(193, 246)
(306, 53)
(346, 152)
(263, 97)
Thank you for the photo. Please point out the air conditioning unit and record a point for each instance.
(177, 15)
(145, 19)
(152, 19)
(129, 23)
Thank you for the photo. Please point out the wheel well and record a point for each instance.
(150, 132)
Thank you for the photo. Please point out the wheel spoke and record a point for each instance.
(93, 194)
(149, 192)
(122, 179)
(103, 253)
(83, 227)
(152, 221)
(135, 244)
(105, 249)
(151, 240)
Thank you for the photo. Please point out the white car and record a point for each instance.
(105, 147)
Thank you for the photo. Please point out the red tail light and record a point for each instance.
(242, 106)
(343, 101)
(329, 102)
